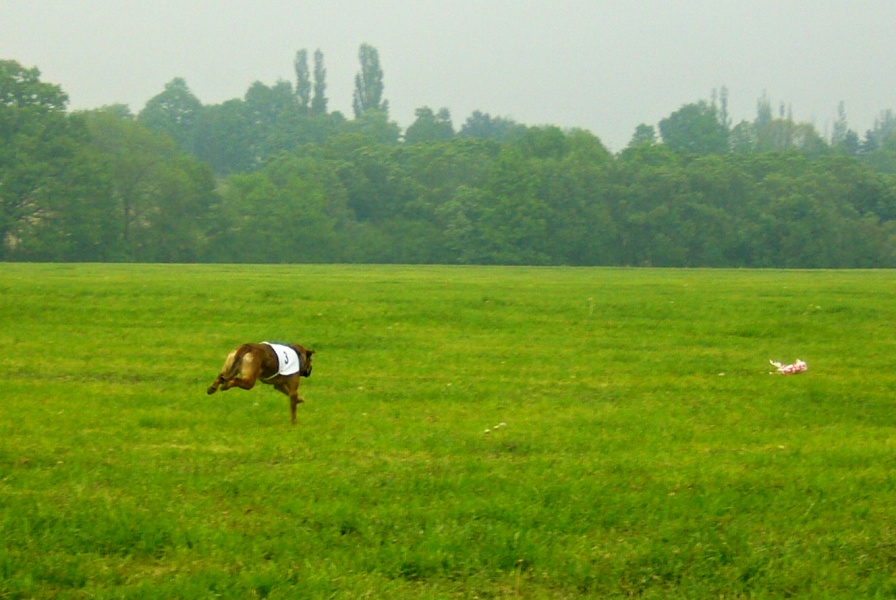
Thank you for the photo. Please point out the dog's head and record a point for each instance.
(306, 362)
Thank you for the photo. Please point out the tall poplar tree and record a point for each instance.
(369, 82)
(319, 100)
(303, 81)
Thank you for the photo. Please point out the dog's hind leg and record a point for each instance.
(230, 370)
(215, 384)
(243, 371)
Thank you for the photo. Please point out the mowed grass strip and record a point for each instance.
(468, 432)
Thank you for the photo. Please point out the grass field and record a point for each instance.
(642, 447)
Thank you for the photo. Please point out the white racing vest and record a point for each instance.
(288, 359)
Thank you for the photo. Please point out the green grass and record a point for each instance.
(647, 451)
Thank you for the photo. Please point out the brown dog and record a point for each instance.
(249, 363)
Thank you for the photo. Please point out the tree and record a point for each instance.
(122, 111)
(374, 127)
(436, 170)
(844, 139)
(224, 138)
(267, 104)
(645, 181)
(319, 100)
(303, 81)
(174, 225)
(879, 148)
(51, 192)
(429, 126)
(131, 154)
(483, 125)
(841, 127)
(31, 118)
(174, 112)
(22, 88)
(369, 83)
(290, 211)
(512, 227)
(160, 197)
(585, 147)
(884, 129)
(771, 134)
(644, 134)
(695, 128)
(273, 119)
(543, 142)
(574, 188)
(370, 173)
(763, 111)
(724, 117)
(807, 140)
(742, 138)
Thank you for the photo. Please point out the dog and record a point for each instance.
(273, 364)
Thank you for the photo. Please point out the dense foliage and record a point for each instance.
(274, 177)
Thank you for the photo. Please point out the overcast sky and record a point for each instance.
(603, 65)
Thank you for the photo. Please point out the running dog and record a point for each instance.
(279, 365)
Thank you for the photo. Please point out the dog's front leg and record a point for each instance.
(294, 401)
(290, 388)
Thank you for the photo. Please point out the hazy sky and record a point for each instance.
(603, 65)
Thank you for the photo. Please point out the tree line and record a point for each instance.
(276, 177)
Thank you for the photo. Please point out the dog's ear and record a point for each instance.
(309, 352)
